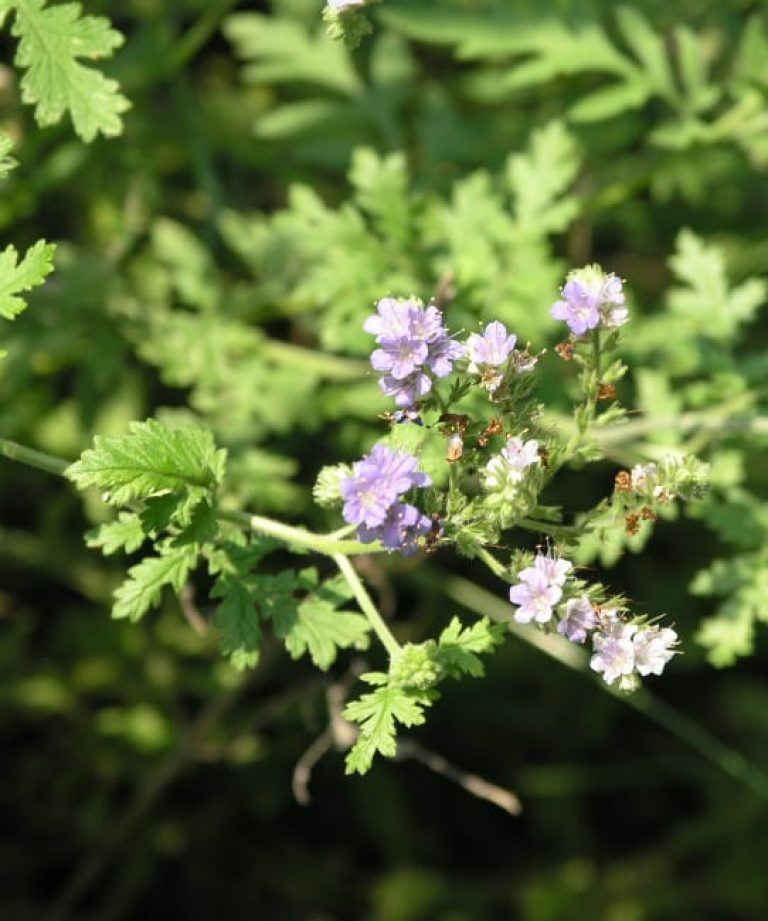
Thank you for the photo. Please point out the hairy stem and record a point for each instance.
(328, 544)
(37, 459)
(497, 568)
(366, 605)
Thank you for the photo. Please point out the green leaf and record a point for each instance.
(151, 459)
(321, 630)
(280, 51)
(126, 533)
(238, 619)
(52, 40)
(540, 178)
(459, 648)
(378, 713)
(7, 162)
(743, 581)
(143, 587)
(710, 306)
(16, 277)
(381, 185)
(609, 102)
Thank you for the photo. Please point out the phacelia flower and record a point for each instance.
(535, 599)
(554, 569)
(488, 352)
(376, 483)
(508, 467)
(653, 648)
(591, 298)
(412, 340)
(614, 654)
(400, 530)
(579, 619)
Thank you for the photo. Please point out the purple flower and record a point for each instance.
(535, 598)
(376, 483)
(508, 467)
(590, 299)
(614, 650)
(400, 530)
(441, 355)
(412, 340)
(399, 357)
(407, 391)
(554, 569)
(492, 348)
(578, 620)
(405, 319)
(653, 649)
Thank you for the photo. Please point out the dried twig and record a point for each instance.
(474, 785)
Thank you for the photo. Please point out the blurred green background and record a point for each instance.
(216, 262)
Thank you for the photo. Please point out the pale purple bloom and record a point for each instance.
(411, 340)
(553, 568)
(591, 298)
(578, 620)
(441, 355)
(407, 391)
(492, 348)
(399, 357)
(400, 530)
(376, 483)
(614, 650)
(508, 467)
(653, 649)
(535, 599)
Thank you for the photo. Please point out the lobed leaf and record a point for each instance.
(17, 277)
(150, 460)
(146, 580)
(52, 40)
(378, 713)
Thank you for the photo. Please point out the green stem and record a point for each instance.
(544, 527)
(497, 568)
(37, 459)
(327, 544)
(198, 34)
(367, 606)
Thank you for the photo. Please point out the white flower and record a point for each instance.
(641, 474)
(653, 649)
(508, 467)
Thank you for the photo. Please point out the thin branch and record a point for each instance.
(471, 783)
(366, 605)
(717, 753)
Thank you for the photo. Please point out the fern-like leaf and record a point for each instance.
(52, 40)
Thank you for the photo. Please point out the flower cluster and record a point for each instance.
(413, 346)
(539, 589)
(372, 493)
(591, 298)
(622, 650)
